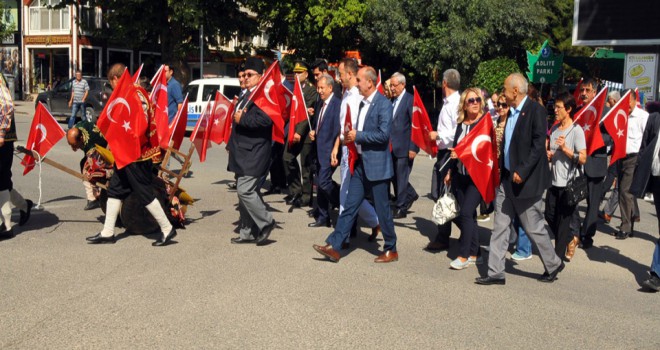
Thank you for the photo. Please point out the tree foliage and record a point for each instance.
(490, 74)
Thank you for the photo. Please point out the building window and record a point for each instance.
(44, 19)
(90, 17)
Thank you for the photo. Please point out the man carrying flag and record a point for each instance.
(249, 159)
(128, 125)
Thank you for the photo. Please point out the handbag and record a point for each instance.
(576, 188)
(445, 209)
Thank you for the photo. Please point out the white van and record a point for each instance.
(199, 91)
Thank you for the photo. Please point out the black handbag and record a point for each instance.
(576, 188)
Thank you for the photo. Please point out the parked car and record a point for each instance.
(200, 90)
(57, 100)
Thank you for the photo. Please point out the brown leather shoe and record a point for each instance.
(388, 256)
(328, 252)
(570, 249)
(374, 233)
(436, 246)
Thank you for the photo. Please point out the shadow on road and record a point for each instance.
(607, 254)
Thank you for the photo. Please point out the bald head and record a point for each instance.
(74, 139)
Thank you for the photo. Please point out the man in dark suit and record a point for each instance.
(326, 130)
(525, 175)
(249, 159)
(403, 149)
(373, 169)
(320, 67)
(300, 194)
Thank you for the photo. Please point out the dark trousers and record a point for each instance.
(134, 178)
(293, 170)
(6, 160)
(595, 190)
(468, 198)
(558, 215)
(328, 192)
(627, 202)
(404, 191)
(655, 188)
(359, 187)
(444, 230)
(277, 175)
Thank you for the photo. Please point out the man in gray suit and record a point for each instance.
(525, 175)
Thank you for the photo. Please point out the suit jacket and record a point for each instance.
(640, 184)
(597, 163)
(401, 127)
(374, 140)
(328, 130)
(250, 142)
(310, 95)
(527, 153)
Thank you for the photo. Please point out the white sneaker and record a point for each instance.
(649, 197)
(459, 265)
(518, 257)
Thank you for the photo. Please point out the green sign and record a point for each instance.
(544, 67)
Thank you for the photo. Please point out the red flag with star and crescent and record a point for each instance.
(269, 97)
(158, 97)
(576, 93)
(478, 153)
(202, 131)
(616, 124)
(421, 127)
(124, 122)
(228, 122)
(298, 110)
(223, 109)
(177, 128)
(352, 149)
(45, 132)
(589, 119)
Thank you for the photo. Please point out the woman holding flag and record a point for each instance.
(470, 113)
(567, 150)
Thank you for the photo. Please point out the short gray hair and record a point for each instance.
(399, 77)
(453, 79)
(371, 74)
(329, 80)
(615, 95)
(518, 80)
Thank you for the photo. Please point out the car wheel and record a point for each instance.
(89, 114)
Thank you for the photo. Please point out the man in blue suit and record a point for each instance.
(403, 149)
(324, 133)
(373, 169)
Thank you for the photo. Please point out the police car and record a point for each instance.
(200, 90)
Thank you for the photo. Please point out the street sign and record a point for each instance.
(544, 67)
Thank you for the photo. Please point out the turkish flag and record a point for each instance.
(269, 97)
(576, 93)
(589, 119)
(177, 129)
(45, 132)
(379, 85)
(616, 124)
(158, 97)
(200, 135)
(136, 76)
(223, 109)
(421, 127)
(228, 122)
(478, 153)
(639, 101)
(124, 121)
(298, 110)
(352, 149)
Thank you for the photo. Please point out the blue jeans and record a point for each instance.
(523, 245)
(76, 106)
(655, 264)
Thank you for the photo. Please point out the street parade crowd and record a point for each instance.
(497, 154)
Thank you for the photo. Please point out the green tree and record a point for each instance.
(490, 74)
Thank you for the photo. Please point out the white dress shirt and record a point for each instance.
(322, 112)
(397, 102)
(351, 98)
(636, 125)
(363, 115)
(447, 121)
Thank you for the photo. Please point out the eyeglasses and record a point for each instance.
(586, 89)
(473, 100)
(502, 105)
(250, 75)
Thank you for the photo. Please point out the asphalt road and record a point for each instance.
(57, 292)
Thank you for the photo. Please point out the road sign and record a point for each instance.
(544, 67)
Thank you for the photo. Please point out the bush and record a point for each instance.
(490, 74)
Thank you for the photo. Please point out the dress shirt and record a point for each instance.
(351, 98)
(363, 115)
(447, 121)
(323, 108)
(511, 121)
(636, 124)
(397, 101)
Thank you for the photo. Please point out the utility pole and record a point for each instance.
(201, 51)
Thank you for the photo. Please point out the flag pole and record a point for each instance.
(445, 164)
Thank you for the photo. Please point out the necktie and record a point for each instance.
(318, 124)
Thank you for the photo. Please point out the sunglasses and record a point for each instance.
(502, 105)
(250, 75)
(473, 100)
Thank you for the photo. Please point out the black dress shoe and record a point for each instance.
(273, 190)
(487, 281)
(168, 239)
(25, 215)
(239, 240)
(551, 277)
(98, 239)
(410, 204)
(319, 223)
(294, 198)
(265, 233)
(92, 205)
(400, 214)
(623, 235)
(6, 234)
